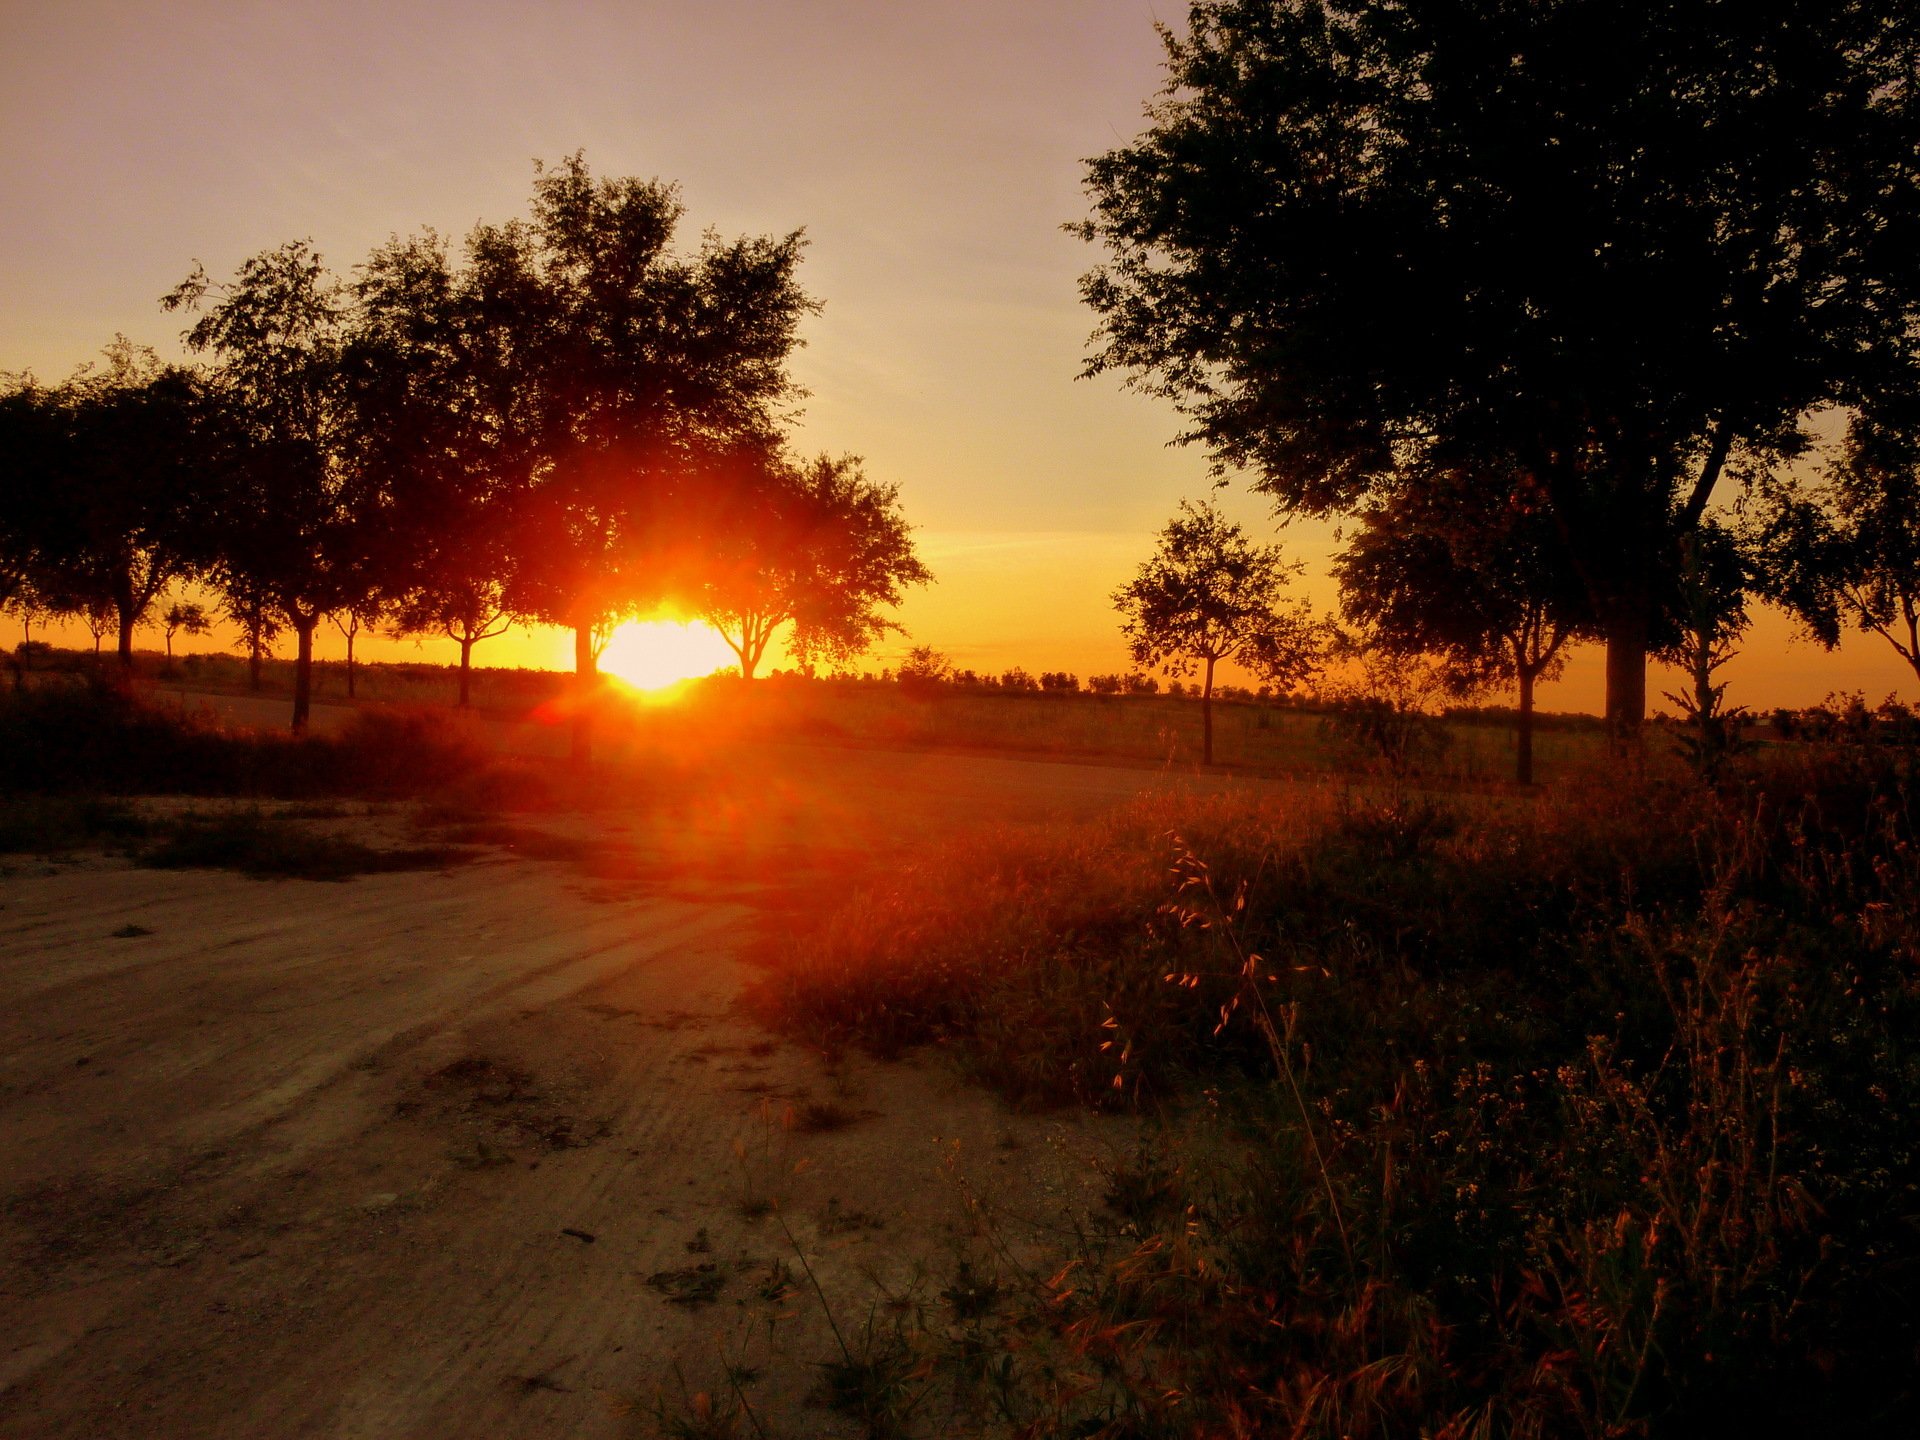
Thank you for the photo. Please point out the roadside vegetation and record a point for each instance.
(1592, 1116)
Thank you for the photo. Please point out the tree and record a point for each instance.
(622, 372)
(101, 620)
(925, 669)
(1208, 594)
(1623, 250)
(819, 547)
(117, 471)
(350, 620)
(1713, 590)
(436, 419)
(183, 617)
(259, 625)
(293, 515)
(1449, 568)
(1846, 553)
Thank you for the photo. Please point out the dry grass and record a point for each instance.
(1597, 1119)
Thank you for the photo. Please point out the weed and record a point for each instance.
(822, 1117)
(1596, 1118)
(265, 846)
(690, 1285)
(837, 1221)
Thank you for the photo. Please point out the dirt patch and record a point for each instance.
(403, 1156)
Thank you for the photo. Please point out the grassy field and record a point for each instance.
(1249, 736)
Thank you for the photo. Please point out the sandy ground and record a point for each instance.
(481, 1152)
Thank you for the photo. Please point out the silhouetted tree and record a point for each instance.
(293, 515)
(1621, 248)
(101, 620)
(622, 370)
(183, 618)
(1712, 612)
(117, 472)
(440, 421)
(1845, 553)
(1208, 594)
(257, 620)
(350, 620)
(817, 546)
(925, 669)
(1455, 568)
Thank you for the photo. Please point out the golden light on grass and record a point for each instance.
(654, 656)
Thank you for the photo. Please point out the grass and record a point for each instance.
(80, 738)
(265, 846)
(1594, 1117)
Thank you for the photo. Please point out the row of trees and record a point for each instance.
(568, 420)
(1523, 292)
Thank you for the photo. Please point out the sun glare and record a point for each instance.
(659, 654)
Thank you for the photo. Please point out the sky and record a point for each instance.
(932, 152)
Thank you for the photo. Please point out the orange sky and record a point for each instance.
(931, 151)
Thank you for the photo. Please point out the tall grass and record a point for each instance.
(1600, 1117)
(93, 739)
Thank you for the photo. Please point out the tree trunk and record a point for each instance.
(1523, 765)
(466, 671)
(1626, 629)
(303, 674)
(350, 664)
(253, 658)
(126, 617)
(584, 668)
(1206, 717)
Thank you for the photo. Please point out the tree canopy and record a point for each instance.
(1618, 250)
(1845, 553)
(814, 545)
(292, 515)
(1455, 568)
(1208, 595)
(103, 478)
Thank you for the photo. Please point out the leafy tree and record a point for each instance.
(1713, 590)
(1209, 594)
(925, 669)
(101, 620)
(1846, 553)
(439, 421)
(259, 624)
(1450, 569)
(622, 371)
(350, 620)
(293, 516)
(1620, 251)
(116, 471)
(183, 618)
(819, 547)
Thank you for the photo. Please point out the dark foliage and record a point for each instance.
(68, 739)
(1601, 1119)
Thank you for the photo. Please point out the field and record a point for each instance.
(820, 1064)
(1250, 736)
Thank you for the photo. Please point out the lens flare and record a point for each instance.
(654, 655)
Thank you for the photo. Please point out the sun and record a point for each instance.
(659, 654)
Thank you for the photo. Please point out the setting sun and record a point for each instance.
(656, 654)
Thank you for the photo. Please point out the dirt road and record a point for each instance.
(483, 1152)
